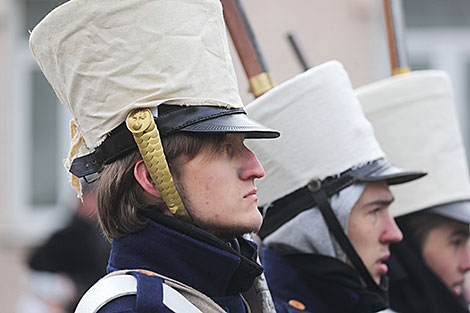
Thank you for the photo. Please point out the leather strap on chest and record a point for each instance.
(176, 296)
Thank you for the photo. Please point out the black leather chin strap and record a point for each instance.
(320, 197)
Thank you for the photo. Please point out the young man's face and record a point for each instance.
(371, 228)
(219, 191)
(446, 252)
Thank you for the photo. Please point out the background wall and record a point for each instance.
(348, 31)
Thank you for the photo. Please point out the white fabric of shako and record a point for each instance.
(323, 131)
(416, 123)
(104, 58)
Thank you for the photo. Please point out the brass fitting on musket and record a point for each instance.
(261, 83)
(401, 70)
(141, 124)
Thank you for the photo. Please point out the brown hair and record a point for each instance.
(120, 197)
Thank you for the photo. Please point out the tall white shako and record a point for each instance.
(106, 60)
(327, 144)
(415, 121)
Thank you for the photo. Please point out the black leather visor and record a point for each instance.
(392, 174)
(209, 119)
(172, 119)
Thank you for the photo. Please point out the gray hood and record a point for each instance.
(308, 232)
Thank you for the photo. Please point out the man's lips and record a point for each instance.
(457, 288)
(251, 194)
(381, 266)
(384, 258)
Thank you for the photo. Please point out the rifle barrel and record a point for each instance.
(300, 56)
(395, 25)
(247, 48)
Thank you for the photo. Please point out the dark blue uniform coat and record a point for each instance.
(311, 283)
(185, 253)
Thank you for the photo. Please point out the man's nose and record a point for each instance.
(464, 264)
(391, 232)
(251, 167)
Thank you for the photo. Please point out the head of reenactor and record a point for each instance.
(325, 197)
(416, 123)
(157, 117)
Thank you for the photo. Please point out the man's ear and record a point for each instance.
(142, 176)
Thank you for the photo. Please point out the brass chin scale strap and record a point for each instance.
(141, 124)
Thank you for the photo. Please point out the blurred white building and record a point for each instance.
(34, 133)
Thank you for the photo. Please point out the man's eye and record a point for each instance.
(374, 211)
(457, 242)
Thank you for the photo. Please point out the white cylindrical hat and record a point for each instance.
(415, 122)
(106, 57)
(324, 132)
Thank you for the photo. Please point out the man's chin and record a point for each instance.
(377, 278)
(230, 232)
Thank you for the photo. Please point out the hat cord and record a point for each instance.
(141, 124)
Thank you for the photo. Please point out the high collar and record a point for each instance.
(186, 253)
(320, 281)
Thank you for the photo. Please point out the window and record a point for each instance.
(44, 140)
(35, 10)
(437, 38)
(437, 13)
(39, 195)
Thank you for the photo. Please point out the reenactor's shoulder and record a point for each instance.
(142, 290)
